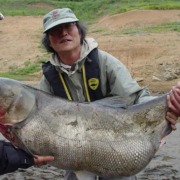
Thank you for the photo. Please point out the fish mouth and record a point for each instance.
(8, 132)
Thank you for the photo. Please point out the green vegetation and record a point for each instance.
(24, 72)
(164, 27)
(86, 10)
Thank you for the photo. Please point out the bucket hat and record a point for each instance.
(57, 17)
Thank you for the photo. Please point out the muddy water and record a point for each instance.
(164, 166)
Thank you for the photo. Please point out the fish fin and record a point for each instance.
(113, 102)
(166, 131)
(20, 143)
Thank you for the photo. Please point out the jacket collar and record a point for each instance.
(88, 45)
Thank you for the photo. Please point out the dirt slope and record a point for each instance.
(152, 59)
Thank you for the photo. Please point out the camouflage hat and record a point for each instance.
(58, 16)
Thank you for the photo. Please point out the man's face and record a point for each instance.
(65, 38)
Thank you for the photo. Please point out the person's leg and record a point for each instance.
(79, 175)
(124, 178)
(70, 175)
(84, 175)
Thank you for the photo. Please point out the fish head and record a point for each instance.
(16, 102)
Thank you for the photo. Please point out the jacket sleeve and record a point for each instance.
(119, 81)
(12, 158)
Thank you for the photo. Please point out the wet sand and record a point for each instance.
(164, 166)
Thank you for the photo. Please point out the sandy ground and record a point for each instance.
(152, 59)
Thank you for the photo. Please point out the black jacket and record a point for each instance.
(12, 158)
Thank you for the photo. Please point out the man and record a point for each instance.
(12, 158)
(79, 71)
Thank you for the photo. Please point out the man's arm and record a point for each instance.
(12, 158)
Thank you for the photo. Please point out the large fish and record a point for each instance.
(97, 137)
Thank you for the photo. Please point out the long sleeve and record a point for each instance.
(12, 158)
(117, 81)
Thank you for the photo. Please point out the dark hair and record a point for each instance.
(82, 28)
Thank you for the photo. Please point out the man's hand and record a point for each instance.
(42, 160)
(173, 103)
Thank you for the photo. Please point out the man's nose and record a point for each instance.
(63, 30)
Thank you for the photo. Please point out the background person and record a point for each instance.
(1, 16)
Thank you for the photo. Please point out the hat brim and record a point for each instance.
(62, 21)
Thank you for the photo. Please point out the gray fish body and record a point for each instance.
(110, 142)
